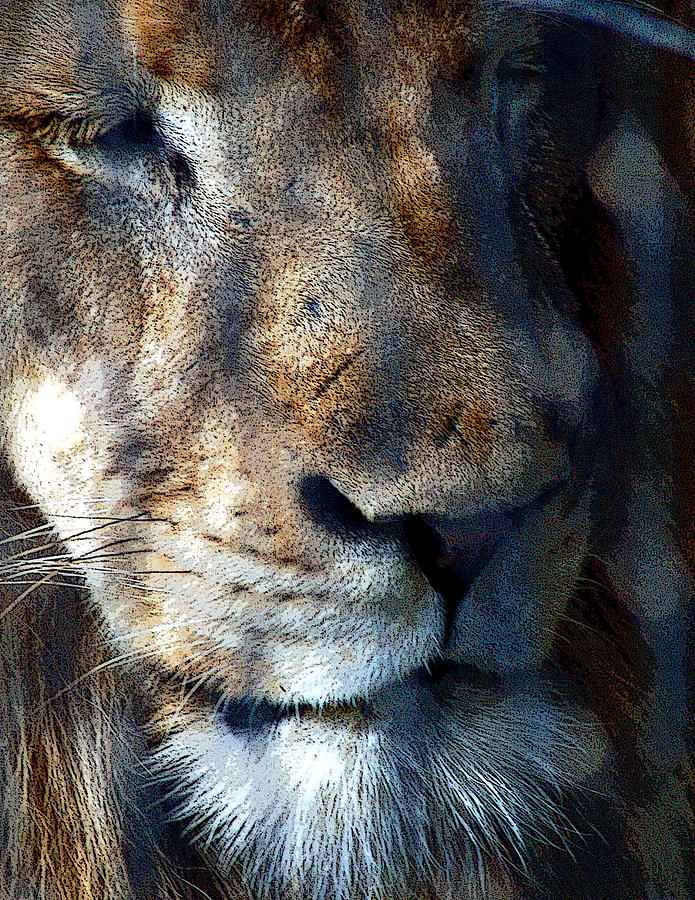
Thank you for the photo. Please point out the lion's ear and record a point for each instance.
(616, 58)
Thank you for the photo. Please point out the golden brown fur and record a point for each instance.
(346, 522)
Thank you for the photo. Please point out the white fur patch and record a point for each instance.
(52, 440)
(57, 417)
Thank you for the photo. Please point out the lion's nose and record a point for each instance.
(445, 547)
(498, 573)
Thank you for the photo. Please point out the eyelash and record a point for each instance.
(84, 132)
(55, 127)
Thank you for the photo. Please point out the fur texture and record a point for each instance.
(346, 432)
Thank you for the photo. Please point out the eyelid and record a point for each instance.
(136, 128)
(79, 130)
(55, 127)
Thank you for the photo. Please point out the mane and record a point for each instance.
(641, 23)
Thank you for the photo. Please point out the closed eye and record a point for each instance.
(106, 143)
(134, 131)
(137, 132)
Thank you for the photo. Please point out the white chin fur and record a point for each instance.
(420, 793)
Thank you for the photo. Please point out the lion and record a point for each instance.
(346, 520)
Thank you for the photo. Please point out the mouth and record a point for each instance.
(452, 554)
(248, 717)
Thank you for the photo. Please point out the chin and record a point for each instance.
(441, 782)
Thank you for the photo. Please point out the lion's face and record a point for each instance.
(288, 343)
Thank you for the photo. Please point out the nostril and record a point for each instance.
(327, 507)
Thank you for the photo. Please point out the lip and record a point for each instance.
(452, 554)
(248, 717)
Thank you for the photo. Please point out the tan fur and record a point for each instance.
(288, 286)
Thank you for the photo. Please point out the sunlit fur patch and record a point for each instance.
(56, 416)
(52, 427)
(175, 40)
(405, 793)
(48, 428)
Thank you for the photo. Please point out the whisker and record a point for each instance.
(65, 559)
(122, 553)
(168, 626)
(66, 566)
(24, 553)
(29, 533)
(80, 534)
(118, 520)
(115, 543)
(162, 571)
(15, 603)
(199, 681)
(606, 637)
(600, 585)
(24, 578)
(115, 661)
(69, 500)
(14, 583)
